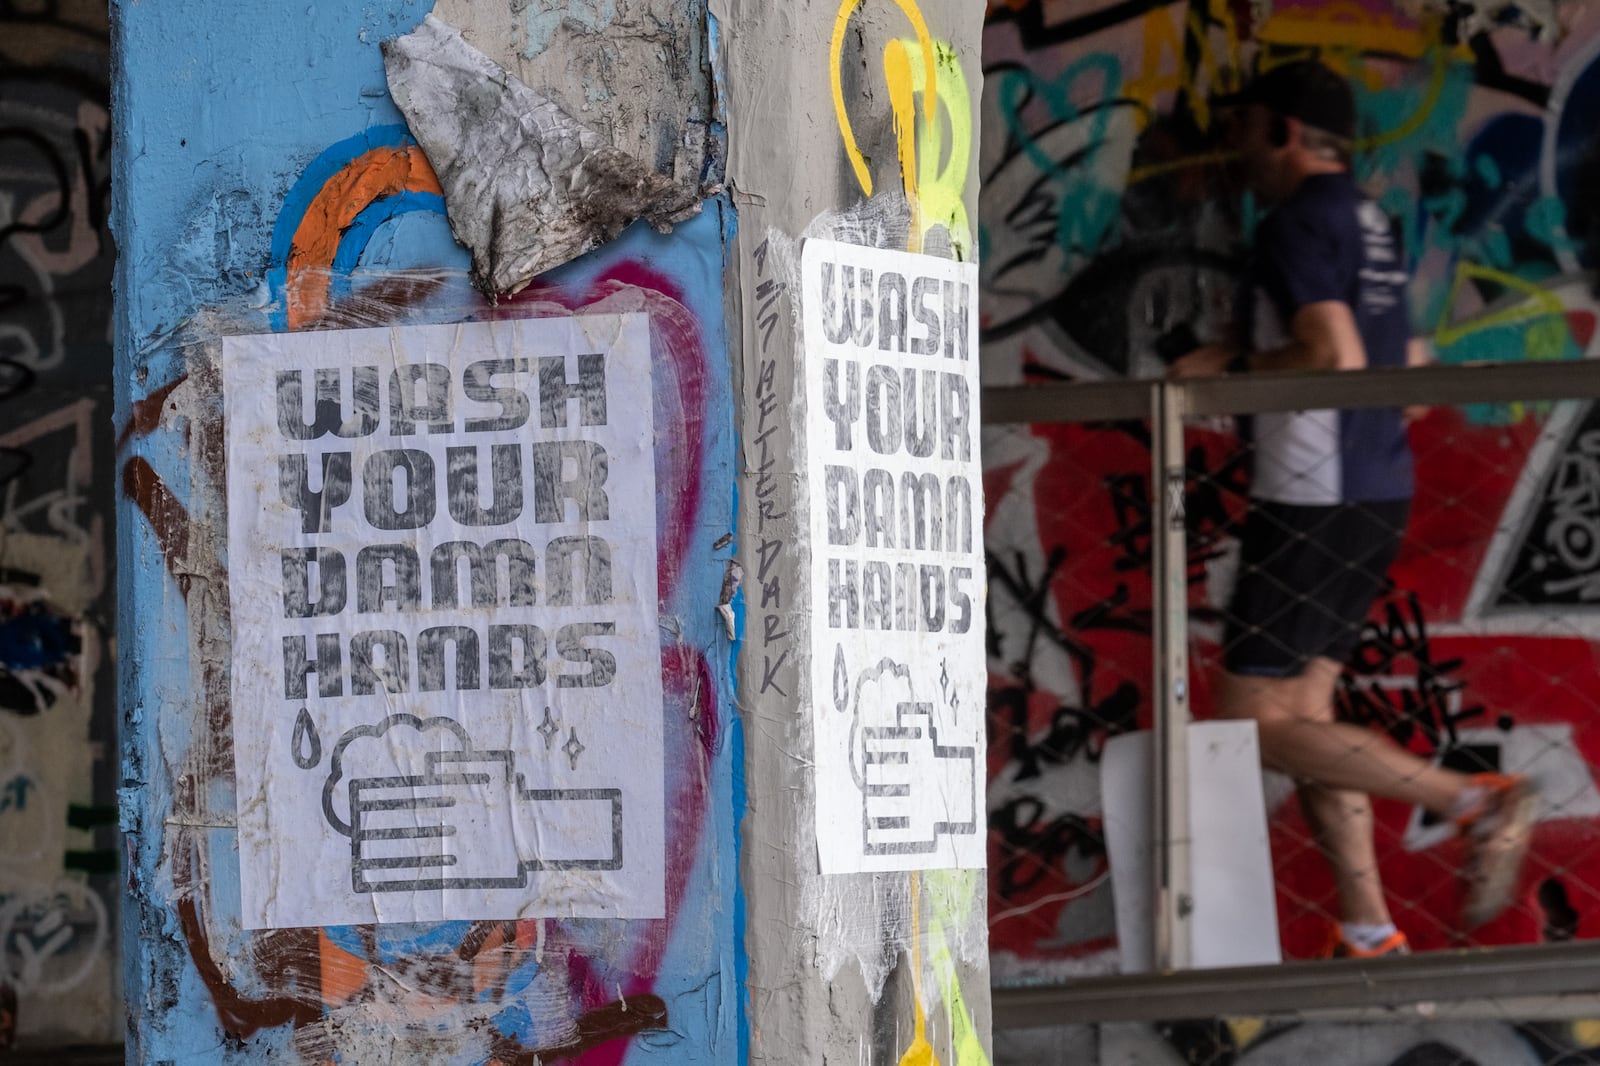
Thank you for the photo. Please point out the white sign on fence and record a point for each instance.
(897, 575)
(446, 668)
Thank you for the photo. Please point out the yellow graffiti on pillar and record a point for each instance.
(903, 105)
(930, 103)
(938, 183)
(920, 1053)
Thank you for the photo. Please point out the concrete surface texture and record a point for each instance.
(267, 182)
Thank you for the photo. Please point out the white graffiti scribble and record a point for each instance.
(51, 940)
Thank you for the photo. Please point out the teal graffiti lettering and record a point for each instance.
(1087, 212)
(14, 794)
(1546, 222)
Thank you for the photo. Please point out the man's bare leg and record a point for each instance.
(1340, 818)
(1332, 760)
(1342, 822)
(1294, 718)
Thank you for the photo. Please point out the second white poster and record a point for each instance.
(897, 575)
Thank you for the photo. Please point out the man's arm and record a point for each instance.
(1419, 352)
(1322, 336)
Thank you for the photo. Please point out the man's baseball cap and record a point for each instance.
(1303, 89)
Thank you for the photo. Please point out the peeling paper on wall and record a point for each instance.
(527, 187)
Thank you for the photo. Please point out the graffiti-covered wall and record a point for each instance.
(1111, 213)
(449, 778)
(59, 971)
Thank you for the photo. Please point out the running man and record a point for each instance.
(1330, 492)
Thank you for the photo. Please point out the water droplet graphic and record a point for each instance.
(306, 745)
(841, 680)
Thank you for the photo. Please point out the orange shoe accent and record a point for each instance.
(1338, 947)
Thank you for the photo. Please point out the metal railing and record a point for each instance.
(1556, 980)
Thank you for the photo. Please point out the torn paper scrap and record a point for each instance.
(527, 187)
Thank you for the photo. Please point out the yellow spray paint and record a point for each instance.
(1546, 334)
(1343, 25)
(920, 1053)
(1541, 308)
(951, 896)
(1418, 118)
(1162, 40)
(1245, 1030)
(902, 104)
(932, 173)
(930, 103)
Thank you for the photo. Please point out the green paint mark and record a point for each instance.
(951, 895)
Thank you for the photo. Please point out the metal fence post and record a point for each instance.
(1174, 904)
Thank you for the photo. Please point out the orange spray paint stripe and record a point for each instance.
(368, 178)
(343, 974)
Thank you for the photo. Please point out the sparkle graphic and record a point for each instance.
(573, 748)
(548, 729)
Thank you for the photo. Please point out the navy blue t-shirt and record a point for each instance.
(1329, 242)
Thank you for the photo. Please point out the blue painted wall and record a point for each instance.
(245, 133)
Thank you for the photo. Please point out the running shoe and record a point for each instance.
(1338, 947)
(1497, 835)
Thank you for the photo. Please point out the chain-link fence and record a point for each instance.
(1440, 653)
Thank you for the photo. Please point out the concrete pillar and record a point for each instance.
(281, 193)
(268, 186)
(832, 139)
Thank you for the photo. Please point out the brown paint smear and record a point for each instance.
(290, 956)
(145, 415)
(168, 519)
(614, 1021)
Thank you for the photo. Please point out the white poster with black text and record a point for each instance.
(446, 667)
(897, 579)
